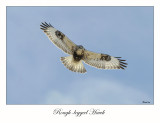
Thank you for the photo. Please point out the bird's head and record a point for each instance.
(80, 47)
(79, 50)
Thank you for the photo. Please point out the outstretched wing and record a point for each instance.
(58, 38)
(103, 61)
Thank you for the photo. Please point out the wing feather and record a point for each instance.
(58, 38)
(103, 61)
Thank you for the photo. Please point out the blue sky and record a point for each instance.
(35, 74)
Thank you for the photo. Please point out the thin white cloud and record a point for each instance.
(97, 91)
(55, 97)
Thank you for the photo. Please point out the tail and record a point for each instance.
(71, 64)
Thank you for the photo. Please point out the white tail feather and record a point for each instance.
(71, 64)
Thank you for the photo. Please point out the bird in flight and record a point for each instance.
(77, 53)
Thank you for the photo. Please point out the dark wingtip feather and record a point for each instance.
(45, 25)
(122, 67)
(122, 63)
(42, 28)
(121, 60)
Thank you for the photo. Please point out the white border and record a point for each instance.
(114, 113)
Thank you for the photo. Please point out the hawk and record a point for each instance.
(77, 53)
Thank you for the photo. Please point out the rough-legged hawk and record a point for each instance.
(78, 53)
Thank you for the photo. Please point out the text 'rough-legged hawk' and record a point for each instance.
(78, 53)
